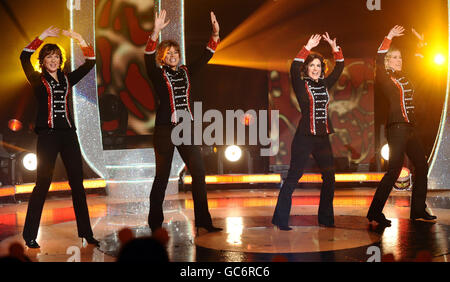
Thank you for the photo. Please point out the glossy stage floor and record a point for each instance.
(248, 235)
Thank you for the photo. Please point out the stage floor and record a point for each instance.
(248, 235)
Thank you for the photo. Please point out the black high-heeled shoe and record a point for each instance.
(424, 216)
(32, 244)
(91, 241)
(380, 219)
(209, 229)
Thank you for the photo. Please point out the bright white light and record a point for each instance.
(233, 153)
(30, 161)
(385, 152)
(439, 59)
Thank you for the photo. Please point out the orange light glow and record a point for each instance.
(15, 125)
(61, 186)
(276, 178)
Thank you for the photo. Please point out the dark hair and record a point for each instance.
(311, 57)
(162, 49)
(49, 49)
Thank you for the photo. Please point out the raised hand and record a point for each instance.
(160, 20)
(215, 24)
(76, 36)
(332, 43)
(160, 23)
(396, 31)
(49, 32)
(313, 41)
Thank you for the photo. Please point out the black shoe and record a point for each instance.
(283, 227)
(209, 229)
(380, 219)
(32, 244)
(91, 241)
(327, 225)
(424, 216)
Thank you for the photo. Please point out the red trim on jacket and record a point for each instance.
(338, 56)
(212, 45)
(188, 91)
(88, 52)
(34, 45)
(402, 99)
(384, 47)
(49, 102)
(302, 54)
(150, 48)
(312, 119)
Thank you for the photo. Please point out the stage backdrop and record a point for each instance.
(351, 110)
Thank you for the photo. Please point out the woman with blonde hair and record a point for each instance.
(400, 131)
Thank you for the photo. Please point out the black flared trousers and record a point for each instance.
(49, 144)
(320, 148)
(192, 157)
(402, 139)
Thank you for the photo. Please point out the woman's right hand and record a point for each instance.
(49, 32)
(396, 31)
(313, 41)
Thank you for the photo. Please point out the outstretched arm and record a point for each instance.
(210, 48)
(338, 57)
(299, 60)
(150, 50)
(396, 31)
(88, 52)
(25, 56)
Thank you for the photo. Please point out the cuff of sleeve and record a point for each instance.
(384, 47)
(301, 56)
(151, 46)
(212, 45)
(34, 45)
(88, 52)
(338, 56)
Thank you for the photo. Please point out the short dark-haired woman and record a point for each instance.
(311, 137)
(172, 84)
(56, 130)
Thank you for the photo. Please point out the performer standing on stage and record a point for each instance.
(311, 137)
(400, 132)
(172, 85)
(56, 129)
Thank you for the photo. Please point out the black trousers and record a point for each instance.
(49, 144)
(402, 139)
(192, 157)
(320, 148)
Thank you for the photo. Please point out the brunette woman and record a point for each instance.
(311, 88)
(56, 130)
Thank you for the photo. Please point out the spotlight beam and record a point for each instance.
(14, 19)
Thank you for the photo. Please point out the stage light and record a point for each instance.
(233, 153)
(15, 125)
(404, 180)
(439, 59)
(385, 152)
(29, 161)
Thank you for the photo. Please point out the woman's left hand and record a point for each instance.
(215, 25)
(76, 36)
(332, 43)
